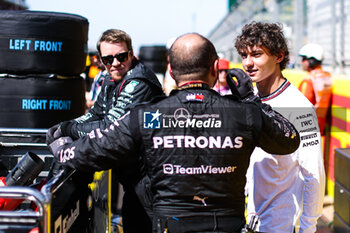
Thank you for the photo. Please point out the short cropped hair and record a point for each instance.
(196, 60)
(115, 36)
(269, 35)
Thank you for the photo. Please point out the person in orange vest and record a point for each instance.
(317, 86)
(221, 85)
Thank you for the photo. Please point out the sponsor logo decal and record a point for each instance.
(195, 97)
(173, 169)
(186, 141)
(313, 129)
(307, 123)
(309, 136)
(304, 116)
(312, 143)
(181, 118)
(131, 86)
(66, 154)
(181, 114)
(151, 120)
(63, 224)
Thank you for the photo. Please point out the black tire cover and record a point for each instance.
(38, 42)
(40, 101)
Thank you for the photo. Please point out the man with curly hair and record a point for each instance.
(282, 190)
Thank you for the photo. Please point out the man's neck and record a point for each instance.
(270, 85)
(189, 83)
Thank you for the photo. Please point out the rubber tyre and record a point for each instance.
(38, 42)
(40, 101)
(153, 53)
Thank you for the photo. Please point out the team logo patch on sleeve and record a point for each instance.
(151, 120)
(131, 86)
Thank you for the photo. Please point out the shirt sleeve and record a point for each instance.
(312, 170)
(277, 135)
(132, 93)
(100, 149)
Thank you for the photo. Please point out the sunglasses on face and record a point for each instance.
(121, 57)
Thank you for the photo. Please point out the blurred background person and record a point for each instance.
(93, 67)
(96, 85)
(221, 85)
(317, 86)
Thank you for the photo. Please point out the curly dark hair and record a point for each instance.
(269, 35)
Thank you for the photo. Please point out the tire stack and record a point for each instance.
(155, 57)
(42, 55)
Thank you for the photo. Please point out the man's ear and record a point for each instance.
(280, 57)
(170, 71)
(214, 73)
(215, 69)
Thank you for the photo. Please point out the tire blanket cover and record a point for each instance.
(37, 42)
(40, 102)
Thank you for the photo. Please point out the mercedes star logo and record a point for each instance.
(181, 114)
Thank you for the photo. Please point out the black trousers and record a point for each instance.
(202, 224)
(135, 218)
